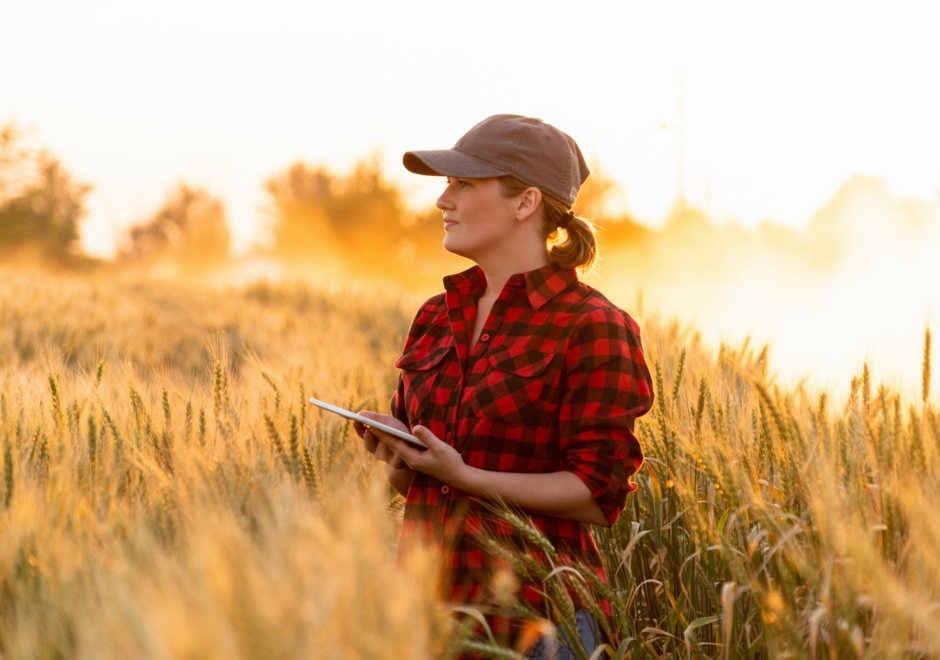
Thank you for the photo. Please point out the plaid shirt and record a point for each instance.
(554, 383)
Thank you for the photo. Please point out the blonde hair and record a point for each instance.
(578, 249)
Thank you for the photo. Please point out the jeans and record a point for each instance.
(586, 632)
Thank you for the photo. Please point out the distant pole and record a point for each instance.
(678, 125)
(680, 139)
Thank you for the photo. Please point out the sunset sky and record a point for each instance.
(783, 102)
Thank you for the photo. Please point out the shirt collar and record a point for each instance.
(540, 285)
(468, 281)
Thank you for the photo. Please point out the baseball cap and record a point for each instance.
(527, 148)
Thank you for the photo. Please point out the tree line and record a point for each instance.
(315, 218)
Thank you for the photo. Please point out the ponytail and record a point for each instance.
(572, 240)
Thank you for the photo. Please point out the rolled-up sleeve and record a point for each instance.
(607, 386)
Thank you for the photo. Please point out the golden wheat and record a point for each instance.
(166, 493)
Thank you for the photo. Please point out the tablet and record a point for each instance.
(368, 422)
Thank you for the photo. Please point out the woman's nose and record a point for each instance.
(444, 202)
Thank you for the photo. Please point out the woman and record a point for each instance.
(523, 382)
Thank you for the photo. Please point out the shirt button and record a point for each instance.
(449, 435)
(485, 337)
(518, 282)
(622, 455)
(445, 489)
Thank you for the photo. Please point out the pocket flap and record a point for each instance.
(422, 358)
(522, 363)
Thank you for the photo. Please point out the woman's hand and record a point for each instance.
(439, 460)
(372, 443)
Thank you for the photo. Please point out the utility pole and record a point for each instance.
(680, 140)
(679, 127)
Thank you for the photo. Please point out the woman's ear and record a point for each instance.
(528, 204)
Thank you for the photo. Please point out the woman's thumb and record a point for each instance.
(422, 433)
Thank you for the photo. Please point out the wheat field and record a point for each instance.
(167, 492)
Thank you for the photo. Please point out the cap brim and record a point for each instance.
(448, 162)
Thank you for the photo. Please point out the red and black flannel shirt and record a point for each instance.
(554, 383)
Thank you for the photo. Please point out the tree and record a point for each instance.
(14, 161)
(190, 230)
(41, 205)
(300, 199)
(324, 220)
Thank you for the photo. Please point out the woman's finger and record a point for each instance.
(407, 454)
(388, 420)
(385, 454)
(382, 452)
(369, 441)
(396, 462)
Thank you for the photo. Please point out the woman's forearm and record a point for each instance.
(559, 494)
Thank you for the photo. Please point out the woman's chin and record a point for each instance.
(452, 245)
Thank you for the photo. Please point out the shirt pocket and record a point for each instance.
(512, 388)
(420, 367)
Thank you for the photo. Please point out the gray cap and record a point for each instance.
(534, 152)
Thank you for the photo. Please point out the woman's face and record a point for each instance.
(477, 219)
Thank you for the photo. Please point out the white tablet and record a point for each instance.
(368, 422)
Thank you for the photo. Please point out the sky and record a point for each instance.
(769, 107)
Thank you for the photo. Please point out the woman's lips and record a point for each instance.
(449, 223)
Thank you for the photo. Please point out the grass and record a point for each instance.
(167, 493)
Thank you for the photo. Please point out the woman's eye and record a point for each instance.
(463, 184)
